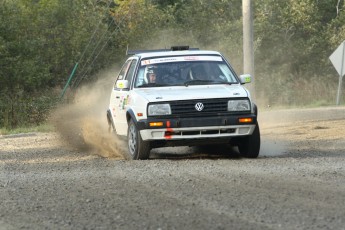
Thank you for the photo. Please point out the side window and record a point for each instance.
(131, 71)
(226, 72)
(123, 71)
(140, 77)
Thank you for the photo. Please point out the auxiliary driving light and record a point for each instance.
(245, 120)
(156, 124)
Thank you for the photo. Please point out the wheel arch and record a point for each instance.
(131, 116)
(255, 109)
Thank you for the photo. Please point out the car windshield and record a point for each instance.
(184, 71)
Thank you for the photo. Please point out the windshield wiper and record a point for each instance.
(151, 85)
(223, 82)
(205, 82)
(197, 82)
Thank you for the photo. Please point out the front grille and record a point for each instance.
(212, 106)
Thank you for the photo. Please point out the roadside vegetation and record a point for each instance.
(41, 41)
(44, 127)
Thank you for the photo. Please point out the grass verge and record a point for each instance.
(40, 128)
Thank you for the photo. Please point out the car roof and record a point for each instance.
(176, 53)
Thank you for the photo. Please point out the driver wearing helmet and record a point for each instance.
(199, 73)
(151, 74)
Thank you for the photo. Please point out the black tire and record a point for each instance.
(137, 148)
(249, 146)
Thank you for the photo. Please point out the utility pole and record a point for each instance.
(248, 47)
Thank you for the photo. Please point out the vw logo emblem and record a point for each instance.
(199, 106)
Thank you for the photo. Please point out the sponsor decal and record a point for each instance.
(191, 58)
(145, 62)
(121, 85)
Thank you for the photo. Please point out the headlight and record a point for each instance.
(159, 109)
(238, 105)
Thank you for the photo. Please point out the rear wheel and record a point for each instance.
(137, 148)
(249, 146)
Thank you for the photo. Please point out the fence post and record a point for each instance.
(69, 80)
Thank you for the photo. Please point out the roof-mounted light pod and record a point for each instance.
(175, 48)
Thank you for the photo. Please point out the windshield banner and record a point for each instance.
(180, 59)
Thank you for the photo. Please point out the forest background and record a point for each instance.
(41, 41)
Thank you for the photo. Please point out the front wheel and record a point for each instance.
(249, 146)
(137, 148)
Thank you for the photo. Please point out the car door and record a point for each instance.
(119, 97)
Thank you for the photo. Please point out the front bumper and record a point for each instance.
(197, 127)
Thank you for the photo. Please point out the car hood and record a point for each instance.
(192, 92)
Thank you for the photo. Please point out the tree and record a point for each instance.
(40, 41)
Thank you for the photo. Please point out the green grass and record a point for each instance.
(41, 128)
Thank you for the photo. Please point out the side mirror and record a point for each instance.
(122, 84)
(245, 78)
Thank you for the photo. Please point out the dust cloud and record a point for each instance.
(271, 147)
(83, 123)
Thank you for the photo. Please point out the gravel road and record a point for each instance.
(298, 181)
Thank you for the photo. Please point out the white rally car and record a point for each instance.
(182, 96)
